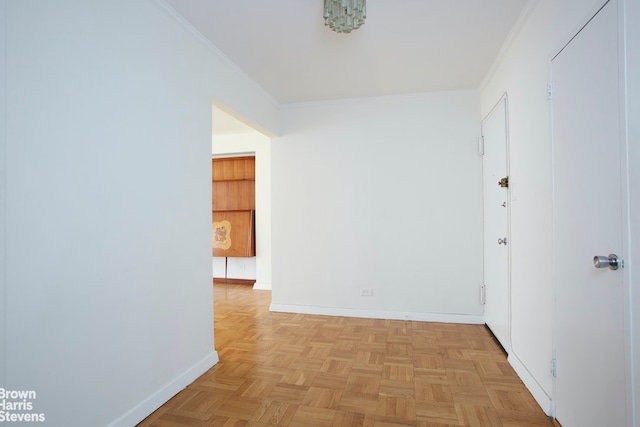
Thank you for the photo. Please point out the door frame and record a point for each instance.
(510, 197)
(625, 195)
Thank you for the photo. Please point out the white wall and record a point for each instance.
(108, 283)
(263, 213)
(523, 73)
(3, 10)
(256, 268)
(633, 126)
(237, 267)
(379, 193)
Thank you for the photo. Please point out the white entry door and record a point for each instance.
(589, 221)
(496, 208)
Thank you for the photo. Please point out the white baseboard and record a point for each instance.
(378, 314)
(538, 393)
(161, 396)
(262, 286)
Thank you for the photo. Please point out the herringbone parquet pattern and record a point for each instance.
(302, 370)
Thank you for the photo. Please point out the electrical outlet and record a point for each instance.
(366, 292)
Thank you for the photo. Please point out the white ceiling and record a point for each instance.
(404, 46)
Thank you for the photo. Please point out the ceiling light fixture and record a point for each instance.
(343, 16)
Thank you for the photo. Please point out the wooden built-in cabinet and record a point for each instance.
(233, 206)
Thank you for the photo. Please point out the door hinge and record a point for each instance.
(550, 90)
(554, 367)
(481, 145)
(483, 294)
(504, 182)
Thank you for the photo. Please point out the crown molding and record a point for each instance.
(403, 97)
(199, 37)
(506, 46)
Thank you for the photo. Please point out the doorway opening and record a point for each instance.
(233, 137)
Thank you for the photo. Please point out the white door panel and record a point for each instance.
(496, 208)
(588, 203)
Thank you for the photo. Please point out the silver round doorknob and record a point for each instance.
(611, 261)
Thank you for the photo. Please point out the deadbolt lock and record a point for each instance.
(504, 182)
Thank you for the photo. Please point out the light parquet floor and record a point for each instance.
(303, 370)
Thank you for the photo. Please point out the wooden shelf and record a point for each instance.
(234, 169)
(233, 206)
(233, 195)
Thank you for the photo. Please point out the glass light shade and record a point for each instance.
(343, 16)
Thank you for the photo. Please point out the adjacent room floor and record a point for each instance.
(305, 370)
